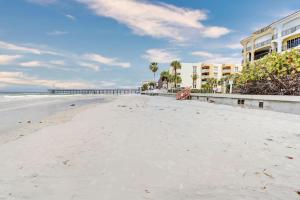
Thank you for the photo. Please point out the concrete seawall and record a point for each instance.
(286, 104)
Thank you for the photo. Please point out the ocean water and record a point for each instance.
(16, 109)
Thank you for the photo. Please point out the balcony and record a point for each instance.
(264, 43)
(226, 70)
(205, 67)
(275, 36)
(248, 49)
(205, 70)
(226, 74)
(290, 30)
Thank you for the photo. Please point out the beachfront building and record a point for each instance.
(203, 72)
(282, 35)
(186, 72)
(210, 71)
(230, 69)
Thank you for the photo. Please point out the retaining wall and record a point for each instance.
(287, 104)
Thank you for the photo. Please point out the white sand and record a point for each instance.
(156, 148)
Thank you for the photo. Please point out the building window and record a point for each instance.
(216, 69)
(236, 69)
(195, 69)
(293, 43)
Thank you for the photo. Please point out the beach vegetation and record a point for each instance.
(145, 87)
(176, 65)
(165, 76)
(153, 67)
(194, 77)
(274, 74)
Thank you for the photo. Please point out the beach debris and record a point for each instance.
(198, 113)
(122, 106)
(28, 122)
(73, 105)
(269, 139)
(21, 135)
(66, 162)
(34, 175)
(20, 122)
(290, 157)
(41, 122)
(161, 109)
(265, 173)
(211, 101)
(147, 191)
(298, 192)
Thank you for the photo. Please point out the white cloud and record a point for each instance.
(106, 84)
(105, 60)
(215, 32)
(19, 78)
(202, 54)
(57, 62)
(158, 20)
(24, 49)
(234, 46)
(207, 57)
(57, 33)
(71, 17)
(160, 56)
(7, 59)
(31, 64)
(42, 2)
(92, 66)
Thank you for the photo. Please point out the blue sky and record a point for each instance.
(110, 43)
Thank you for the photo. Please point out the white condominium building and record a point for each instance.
(204, 71)
(279, 36)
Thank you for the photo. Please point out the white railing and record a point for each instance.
(264, 43)
(290, 30)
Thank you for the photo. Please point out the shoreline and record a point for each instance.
(38, 115)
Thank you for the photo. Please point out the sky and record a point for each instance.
(110, 43)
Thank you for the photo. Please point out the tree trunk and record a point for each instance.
(175, 81)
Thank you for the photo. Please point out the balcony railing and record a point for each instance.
(226, 70)
(248, 49)
(264, 43)
(205, 70)
(275, 36)
(290, 30)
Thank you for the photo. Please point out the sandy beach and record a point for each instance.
(155, 148)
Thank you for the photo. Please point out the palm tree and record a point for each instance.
(194, 77)
(176, 79)
(165, 76)
(176, 65)
(153, 67)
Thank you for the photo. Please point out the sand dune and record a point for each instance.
(140, 147)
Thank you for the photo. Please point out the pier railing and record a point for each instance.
(94, 91)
